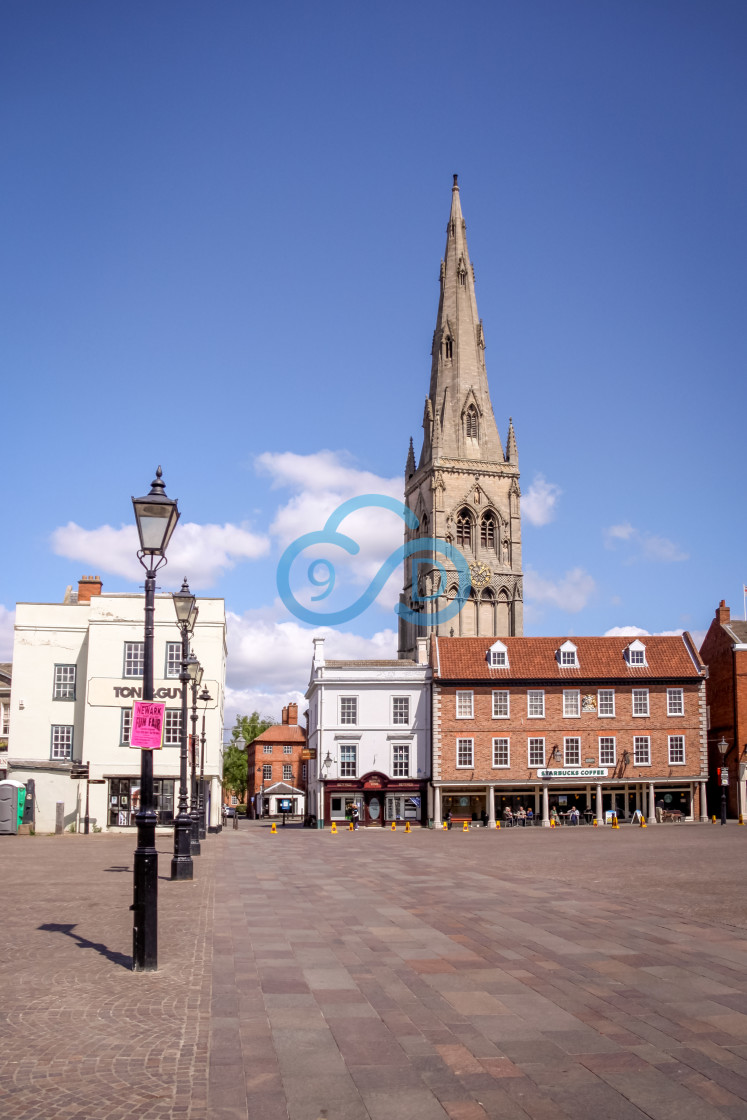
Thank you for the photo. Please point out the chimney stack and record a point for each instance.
(88, 586)
(293, 714)
(723, 613)
(285, 715)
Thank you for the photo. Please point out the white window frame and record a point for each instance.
(61, 742)
(348, 768)
(604, 692)
(640, 692)
(171, 665)
(344, 716)
(172, 724)
(607, 760)
(287, 771)
(266, 772)
(678, 696)
(401, 764)
(568, 656)
(288, 748)
(130, 661)
(571, 739)
(462, 747)
(642, 739)
(636, 655)
(532, 745)
(677, 761)
(397, 720)
(569, 693)
(498, 656)
(125, 727)
(505, 743)
(267, 748)
(532, 694)
(498, 695)
(465, 703)
(64, 682)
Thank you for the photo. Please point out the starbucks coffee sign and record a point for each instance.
(572, 772)
(108, 692)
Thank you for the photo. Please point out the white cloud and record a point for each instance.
(626, 632)
(269, 659)
(571, 593)
(320, 483)
(538, 504)
(637, 632)
(7, 621)
(643, 545)
(201, 552)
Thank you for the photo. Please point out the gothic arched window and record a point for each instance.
(449, 346)
(470, 422)
(464, 529)
(424, 525)
(488, 533)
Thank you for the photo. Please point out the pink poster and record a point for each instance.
(147, 725)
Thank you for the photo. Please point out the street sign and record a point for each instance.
(285, 805)
(79, 770)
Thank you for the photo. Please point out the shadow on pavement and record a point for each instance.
(67, 928)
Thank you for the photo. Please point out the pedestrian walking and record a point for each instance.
(355, 814)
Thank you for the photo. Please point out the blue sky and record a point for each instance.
(221, 230)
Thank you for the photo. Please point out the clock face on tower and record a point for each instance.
(481, 574)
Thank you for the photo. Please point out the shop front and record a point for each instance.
(380, 800)
(124, 801)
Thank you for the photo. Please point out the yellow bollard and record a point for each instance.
(596, 823)
(350, 827)
(444, 826)
(273, 827)
(394, 826)
(465, 827)
(333, 828)
(497, 824)
(643, 821)
(407, 827)
(713, 819)
(614, 821)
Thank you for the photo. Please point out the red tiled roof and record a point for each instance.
(533, 658)
(282, 733)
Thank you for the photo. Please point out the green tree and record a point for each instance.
(245, 731)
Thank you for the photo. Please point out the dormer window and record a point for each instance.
(470, 422)
(635, 654)
(568, 656)
(498, 656)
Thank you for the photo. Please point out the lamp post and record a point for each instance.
(261, 812)
(194, 670)
(205, 699)
(723, 747)
(156, 516)
(186, 616)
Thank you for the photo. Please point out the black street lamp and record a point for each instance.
(194, 670)
(205, 699)
(186, 616)
(723, 747)
(156, 516)
(260, 770)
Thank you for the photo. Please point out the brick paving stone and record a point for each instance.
(406, 976)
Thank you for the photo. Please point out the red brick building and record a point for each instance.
(724, 651)
(599, 724)
(276, 769)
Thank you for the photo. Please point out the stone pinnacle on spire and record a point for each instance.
(410, 465)
(512, 451)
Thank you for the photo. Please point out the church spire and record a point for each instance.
(512, 451)
(462, 415)
(410, 464)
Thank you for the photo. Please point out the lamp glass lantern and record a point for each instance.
(723, 746)
(156, 516)
(184, 605)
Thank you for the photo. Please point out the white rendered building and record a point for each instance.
(77, 669)
(369, 738)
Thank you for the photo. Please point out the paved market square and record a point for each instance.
(513, 974)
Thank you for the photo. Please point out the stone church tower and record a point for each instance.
(465, 488)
